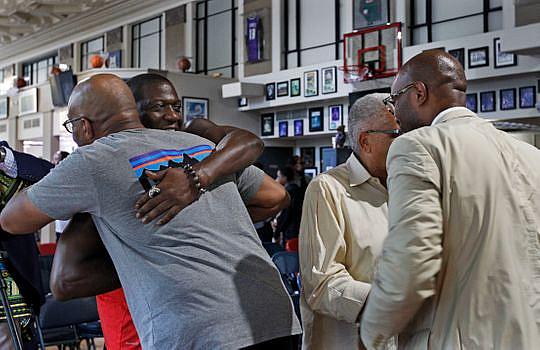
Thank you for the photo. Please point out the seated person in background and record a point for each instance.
(80, 270)
(344, 224)
(18, 170)
(201, 280)
(287, 223)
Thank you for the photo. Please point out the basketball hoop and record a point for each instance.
(355, 72)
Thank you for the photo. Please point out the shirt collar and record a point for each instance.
(358, 174)
(439, 118)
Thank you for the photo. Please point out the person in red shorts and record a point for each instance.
(90, 271)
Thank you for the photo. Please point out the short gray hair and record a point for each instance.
(364, 114)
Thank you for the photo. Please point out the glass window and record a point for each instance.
(304, 45)
(89, 48)
(146, 44)
(435, 20)
(37, 72)
(216, 37)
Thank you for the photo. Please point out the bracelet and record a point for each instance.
(188, 169)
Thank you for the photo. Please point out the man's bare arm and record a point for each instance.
(82, 266)
(21, 216)
(269, 200)
(236, 149)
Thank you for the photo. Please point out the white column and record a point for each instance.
(189, 40)
(509, 14)
(276, 36)
(50, 146)
(240, 19)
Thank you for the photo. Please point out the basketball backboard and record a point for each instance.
(372, 53)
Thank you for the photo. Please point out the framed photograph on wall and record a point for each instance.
(283, 89)
(267, 124)
(324, 167)
(4, 107)
(479, 57)
(316, 116)
(28, 101)
(311, 83)
(308, 156)
(195, 107)
(368, 13)
(471, 102)
(283, 128)
(299, 127)
(487, 101)
(459, 54)
(329, 80)
(335, 116)
(270, 91)
(115, 59)
(310, 172)
(242, 102)
(527, 97)
(502, 59)
(507, 99)
(295, 87)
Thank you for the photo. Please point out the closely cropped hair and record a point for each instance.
(363, 116)
(137, 82)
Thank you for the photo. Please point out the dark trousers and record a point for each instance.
(284, 343)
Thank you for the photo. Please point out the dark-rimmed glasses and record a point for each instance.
(68, 124)
(390, 101)
(392, 132)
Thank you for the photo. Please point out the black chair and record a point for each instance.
(61, 323)
(273, 248)
(289, 268)
(45, 264)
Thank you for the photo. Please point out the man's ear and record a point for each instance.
(421, 92)
(88, 130)
(363, 141)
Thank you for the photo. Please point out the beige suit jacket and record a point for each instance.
(460, 268)
(344, 223)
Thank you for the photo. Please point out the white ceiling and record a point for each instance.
(20, 18)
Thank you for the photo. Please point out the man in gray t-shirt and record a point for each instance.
(201, 281)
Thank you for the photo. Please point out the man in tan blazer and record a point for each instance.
(460, 268)
(344, 224)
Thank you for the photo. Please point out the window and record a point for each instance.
(312, 32)
(146, 44)
(89, 48)
(216, 37)
(434, 20)
(37, 72)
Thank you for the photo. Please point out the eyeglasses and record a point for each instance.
(68, 124)
(392, 132)
(160, 107)
(390, 101)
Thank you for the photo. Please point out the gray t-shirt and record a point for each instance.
(202, 281)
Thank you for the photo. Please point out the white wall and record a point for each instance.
(220, 111)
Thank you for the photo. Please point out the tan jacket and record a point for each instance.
(460, 268)
(344, 223)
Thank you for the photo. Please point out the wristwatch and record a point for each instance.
(2, 154)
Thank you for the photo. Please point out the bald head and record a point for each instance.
(435, 68)
(430, 83)
(106, 104)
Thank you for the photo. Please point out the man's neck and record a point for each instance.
(122, 125)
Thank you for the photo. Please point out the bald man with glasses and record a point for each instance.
(460, 268)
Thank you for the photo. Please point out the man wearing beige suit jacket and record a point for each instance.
(460, 268)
